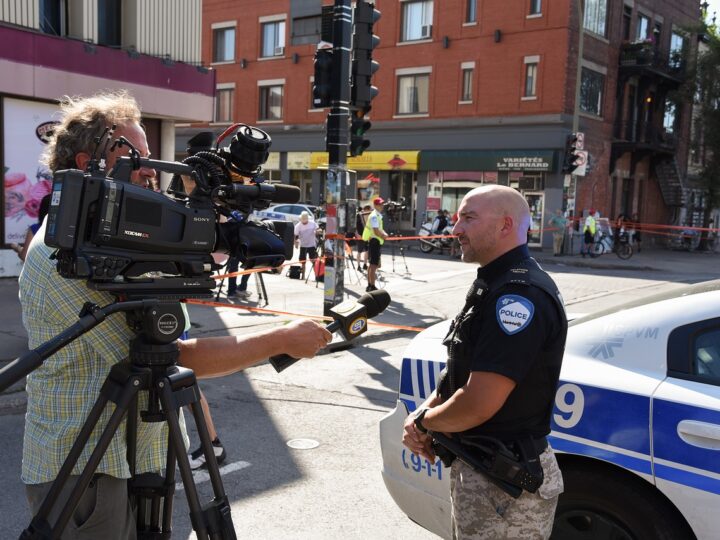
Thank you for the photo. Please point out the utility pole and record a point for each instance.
(337, 181)
(578, 80)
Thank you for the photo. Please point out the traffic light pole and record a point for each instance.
(337, 182)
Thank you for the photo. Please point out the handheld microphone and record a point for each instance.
(350, 318)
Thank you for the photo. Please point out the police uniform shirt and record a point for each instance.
(518, 334)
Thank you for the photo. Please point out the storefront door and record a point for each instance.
(536, 202)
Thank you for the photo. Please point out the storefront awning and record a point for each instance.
(403, 160)
(488, 160)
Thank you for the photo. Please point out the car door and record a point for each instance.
(686, 425)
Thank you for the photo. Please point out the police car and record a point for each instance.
(291, 212)
(635, 425)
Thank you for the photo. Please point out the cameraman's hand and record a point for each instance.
(303, 338)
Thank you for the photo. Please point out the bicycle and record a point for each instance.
(623, 249)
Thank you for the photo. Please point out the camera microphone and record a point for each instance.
(276, 193)
(350, 318)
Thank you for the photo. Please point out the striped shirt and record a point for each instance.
(63, 390)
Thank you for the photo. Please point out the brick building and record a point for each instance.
(52, 48)
(473, 92)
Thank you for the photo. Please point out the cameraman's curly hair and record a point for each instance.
(84, 119)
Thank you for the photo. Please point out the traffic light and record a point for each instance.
(358, 126)
(322, 83)
(363, 66)
(571, 161)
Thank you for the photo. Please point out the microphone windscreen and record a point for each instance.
(285, 194)
(375, 302)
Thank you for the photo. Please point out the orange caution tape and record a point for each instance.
(210, 303)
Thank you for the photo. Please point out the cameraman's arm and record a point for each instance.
(218, 356)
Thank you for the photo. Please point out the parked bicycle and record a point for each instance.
(623, 249)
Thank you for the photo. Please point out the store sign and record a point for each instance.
(273, 162)
(26, 181)
(488, 160)
(372, 161)
(298, 161)
(524, 163)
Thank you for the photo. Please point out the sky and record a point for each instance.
(714, 5)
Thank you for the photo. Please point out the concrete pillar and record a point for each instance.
(167, 149)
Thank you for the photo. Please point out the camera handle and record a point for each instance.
(152, 367)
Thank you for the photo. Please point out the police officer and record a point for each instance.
(374, 234)
(504, 354)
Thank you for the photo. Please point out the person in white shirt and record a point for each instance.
(305, 239)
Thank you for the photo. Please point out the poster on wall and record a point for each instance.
(27, 126)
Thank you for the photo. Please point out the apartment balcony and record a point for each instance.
(630, 136)
(644, 59)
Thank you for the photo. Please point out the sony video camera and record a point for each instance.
(135, 242)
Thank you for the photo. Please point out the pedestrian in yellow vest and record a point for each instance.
(589, 232)
(375, 236)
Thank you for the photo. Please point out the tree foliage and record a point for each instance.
(704, 91)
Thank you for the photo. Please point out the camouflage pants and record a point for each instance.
(481, 510)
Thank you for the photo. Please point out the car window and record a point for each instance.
(295, 209)
(694, 351)
(285, 209)
(706, 354)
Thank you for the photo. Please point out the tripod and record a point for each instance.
(152, 366)
(401, 249)
(393, 231)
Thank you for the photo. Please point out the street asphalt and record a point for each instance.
(294, 297)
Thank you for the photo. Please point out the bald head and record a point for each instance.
(505, 202)
(492, 220)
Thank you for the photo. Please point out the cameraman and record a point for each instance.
(62, 391)
(375, 236)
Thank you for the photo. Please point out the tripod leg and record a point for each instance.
(214, 520)
(111, 391)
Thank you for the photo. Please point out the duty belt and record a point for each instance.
(513, 466)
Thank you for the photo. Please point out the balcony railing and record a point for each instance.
(645, 134)
(645, 55)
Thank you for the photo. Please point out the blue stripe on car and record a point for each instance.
(611, 441)
(667, 443)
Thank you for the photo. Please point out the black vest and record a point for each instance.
(459, 340)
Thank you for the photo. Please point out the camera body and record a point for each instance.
(120, 236)
(137, 243)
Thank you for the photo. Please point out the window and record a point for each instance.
(271, 98)
(592, 85)
(53, 17)
(530, 79)
(306, 30)
(642, 28)
(413, 94)
(223, 44)
(596, 17)
(669, 116)
(627, 18)
(224, 105)
(677, 50)
(706, 349)
(471, 11)
(417, 16)
(109, 19)
(273, 39)
(535, 7)
(467, 78)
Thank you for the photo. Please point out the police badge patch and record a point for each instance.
(514, 313)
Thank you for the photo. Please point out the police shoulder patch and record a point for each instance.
(514, 313)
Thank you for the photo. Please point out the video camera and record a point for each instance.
(135, 242)
(396, 206)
